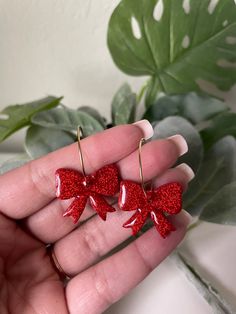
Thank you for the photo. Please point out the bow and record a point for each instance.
(156, 202)
(72, 184)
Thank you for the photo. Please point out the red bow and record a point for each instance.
(164, 199)
(71, 183)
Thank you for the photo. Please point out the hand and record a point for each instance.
(31, 217)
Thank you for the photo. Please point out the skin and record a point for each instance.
(31, 217)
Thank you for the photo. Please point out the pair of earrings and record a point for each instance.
(156, 203)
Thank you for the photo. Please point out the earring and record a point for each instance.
(94, 187)
(156, 203)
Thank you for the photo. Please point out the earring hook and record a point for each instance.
(79, 135)
(142, 141)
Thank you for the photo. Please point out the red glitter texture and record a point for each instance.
(164, 199)
(71, 183)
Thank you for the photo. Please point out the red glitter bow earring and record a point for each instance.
(94, 187)
(156, 203)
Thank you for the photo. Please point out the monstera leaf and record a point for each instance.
(15, 117)
(177, 43)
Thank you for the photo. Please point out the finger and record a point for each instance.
(33, 186)
(157, 157)
(49, 224)
(182, 174)
(97, 288)
(86, 245)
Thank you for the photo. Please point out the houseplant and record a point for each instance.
(177, 45)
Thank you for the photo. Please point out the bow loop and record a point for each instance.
(168, 198)
(105, 181)
(69, 183)
(131, 196)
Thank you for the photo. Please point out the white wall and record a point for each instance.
(57, 47)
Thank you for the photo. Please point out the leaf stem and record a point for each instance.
(142, 92)
(207, 291)
(194, 225)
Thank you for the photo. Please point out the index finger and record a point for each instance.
(27, 189)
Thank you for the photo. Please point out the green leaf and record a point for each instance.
(40, 141)
(10, 165)
(6, 156)
(221, 208)
(94, 113)
(15, 117)
(217, 169)
(123, 106)
(177, 125)
(193, 107)
(13, 163)
(174, 45)
(68, 120)
(220, 126)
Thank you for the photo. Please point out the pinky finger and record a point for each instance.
(94, 290)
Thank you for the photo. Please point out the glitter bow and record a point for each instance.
(72, 184)
(166, 199)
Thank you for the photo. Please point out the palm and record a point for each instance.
(29, 282)
(32, 217)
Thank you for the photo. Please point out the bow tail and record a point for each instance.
(162, 224)
(99, 204)
(136, 221)
(76, 208)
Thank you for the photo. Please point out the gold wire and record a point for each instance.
(79, 135)
(142, 141)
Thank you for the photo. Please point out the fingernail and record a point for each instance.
(180, 142)
(146, 128)
(188, 171)
(186, 218)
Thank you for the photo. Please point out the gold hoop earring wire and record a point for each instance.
(142, 141)
(79, 135)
